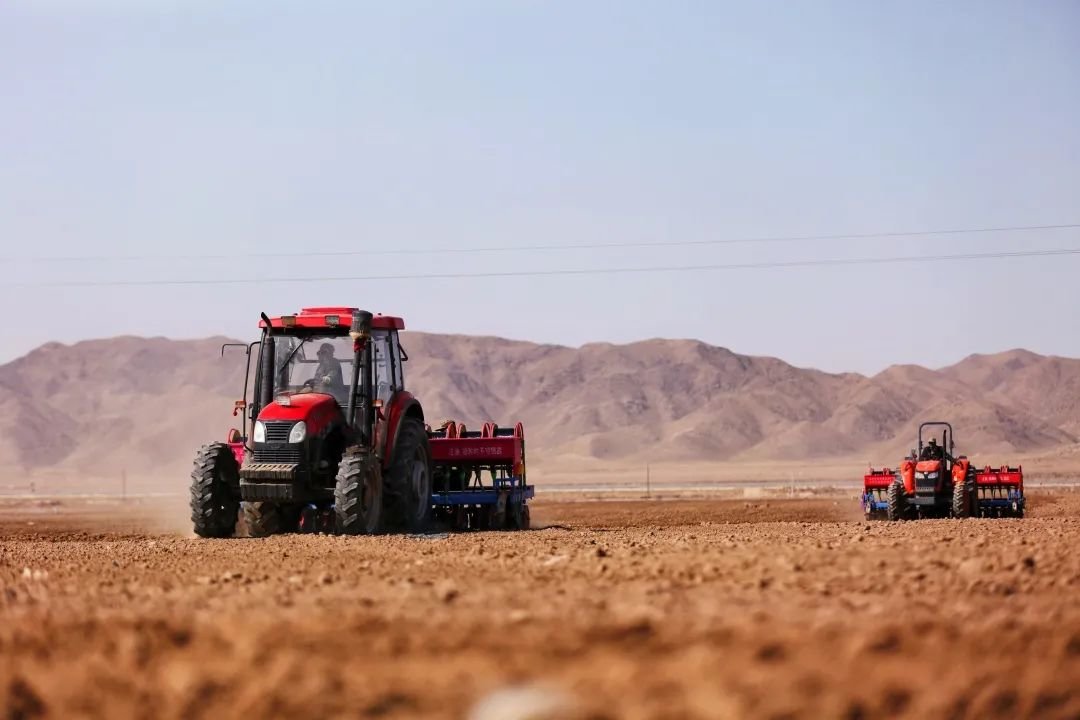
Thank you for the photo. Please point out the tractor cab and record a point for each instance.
(930, 475)
(320, 385)
(313, 364)
(313, 352)
(932, 463)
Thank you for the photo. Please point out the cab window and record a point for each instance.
(382, 365)
(399, 371)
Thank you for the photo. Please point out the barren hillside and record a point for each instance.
(142, 405)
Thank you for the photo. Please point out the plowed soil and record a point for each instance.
(697, 608)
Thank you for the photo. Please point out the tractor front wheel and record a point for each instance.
(407, 484)
(961, 500)
(358, 494)
(214, 501)
(898, 504)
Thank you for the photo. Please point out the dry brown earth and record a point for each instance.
(699, 608)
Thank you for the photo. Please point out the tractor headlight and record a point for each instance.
(260, 432)
(298, 432)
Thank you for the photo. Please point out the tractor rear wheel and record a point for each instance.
(214, 502)
(358, 494)
(898, 505)
(262, 519)
(407, 485)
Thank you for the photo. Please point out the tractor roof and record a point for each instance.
(331, 317)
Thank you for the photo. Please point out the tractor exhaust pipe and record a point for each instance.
(360, 332)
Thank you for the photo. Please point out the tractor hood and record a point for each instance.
(316, 409)
(928, 466)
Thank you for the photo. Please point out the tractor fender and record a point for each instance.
(907, 472)
(235, 441)
(960, 470)
(403, 405)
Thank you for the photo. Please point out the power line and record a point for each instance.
(546, 247)
(558, 272)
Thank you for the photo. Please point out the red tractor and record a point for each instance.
(333, 441)
(934, 482)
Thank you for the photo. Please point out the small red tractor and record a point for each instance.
(934, 482)
(333, 442)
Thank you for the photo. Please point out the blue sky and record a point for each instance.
(173, 128)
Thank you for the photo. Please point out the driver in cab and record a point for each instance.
(933, 451)
(328, 371)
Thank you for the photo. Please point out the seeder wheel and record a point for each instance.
(460, 518)
(519, 519)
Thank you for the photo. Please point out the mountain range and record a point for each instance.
(143, 405)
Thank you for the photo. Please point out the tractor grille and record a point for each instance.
(277, 449)
(277, 431)
(291, 454)
(925, 484)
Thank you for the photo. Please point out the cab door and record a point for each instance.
(386, 366)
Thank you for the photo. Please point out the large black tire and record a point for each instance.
(358, 494)
(960, 500)
(215, 480)
(520, 519)
(898, 505)
(407, 484)
(262, 519)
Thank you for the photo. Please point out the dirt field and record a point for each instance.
(699, 608)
